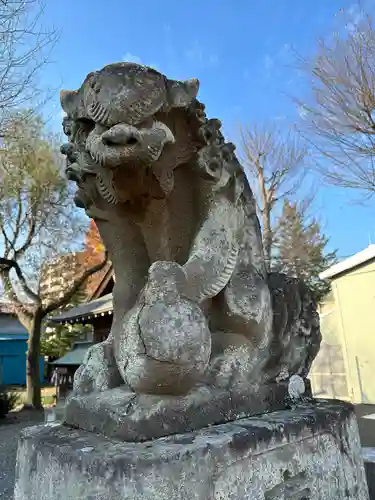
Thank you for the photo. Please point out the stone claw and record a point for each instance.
(99, 371)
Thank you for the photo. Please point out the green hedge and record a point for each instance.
(8, 401)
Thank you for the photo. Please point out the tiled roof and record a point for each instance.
(97, 307)
(9, 325)
(74, 357)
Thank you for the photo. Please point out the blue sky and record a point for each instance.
(242, 53)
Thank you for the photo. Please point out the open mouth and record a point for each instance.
(72, 172)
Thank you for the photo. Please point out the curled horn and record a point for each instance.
(67, 98)
(182, 93)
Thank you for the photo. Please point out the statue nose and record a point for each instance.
(121, 134)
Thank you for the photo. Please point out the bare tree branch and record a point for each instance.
(24, 50)
(7, 265)
(339, 114)
(8, 287)
(275, 163)
(6, 241)
(29, 237)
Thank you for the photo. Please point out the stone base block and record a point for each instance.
(310, 452)
(369, 460)
(124, 415)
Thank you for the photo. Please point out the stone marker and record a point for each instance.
(203, 338)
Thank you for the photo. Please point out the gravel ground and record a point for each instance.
(9, 432)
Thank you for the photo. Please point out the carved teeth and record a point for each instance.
(169, 137)
(154, 151)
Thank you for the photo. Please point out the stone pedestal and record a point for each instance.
(124, 415)
(369, 460)
(309, 452)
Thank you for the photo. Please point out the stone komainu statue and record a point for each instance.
(193, 303)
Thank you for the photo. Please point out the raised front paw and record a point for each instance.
(99, 370)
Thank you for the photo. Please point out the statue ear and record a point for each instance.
(181, 94)
(67, 100)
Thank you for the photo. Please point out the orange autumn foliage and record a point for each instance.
(94, 246)
(92, 255)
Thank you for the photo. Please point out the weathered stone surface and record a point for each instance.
(193, 302)
(369, 460)
(310, 452)
(129, 416)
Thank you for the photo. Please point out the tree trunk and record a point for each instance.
(266, 217)
(267, 237)
(33, 388)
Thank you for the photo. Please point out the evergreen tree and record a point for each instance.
(300, 249)
(58, 339)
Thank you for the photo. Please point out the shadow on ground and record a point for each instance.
(10, 429)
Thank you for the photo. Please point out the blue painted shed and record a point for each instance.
(13, 348)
